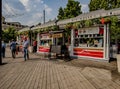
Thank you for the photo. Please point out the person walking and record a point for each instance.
(3, 49)
(25, 49)
(13, 48)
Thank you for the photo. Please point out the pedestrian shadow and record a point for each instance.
(115, 75)
(8, 57)
(19, 57)
(3, 63)
(34, 59)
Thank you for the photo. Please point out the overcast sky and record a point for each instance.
(30, 12)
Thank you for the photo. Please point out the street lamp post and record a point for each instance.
(31, 35)
(0, 32)
(31, 49)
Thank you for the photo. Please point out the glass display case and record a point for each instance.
(89, 40)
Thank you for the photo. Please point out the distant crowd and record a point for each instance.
(14, 47)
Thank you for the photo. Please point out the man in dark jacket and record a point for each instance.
(3, 49)
(13, 48)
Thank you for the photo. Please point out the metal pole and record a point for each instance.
(104, 45)
(0, 31)
(108, 39)
(44, 16)
(72, 42)
(30, 37)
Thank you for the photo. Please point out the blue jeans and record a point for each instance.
(3, 52)
(13, 51)
(26, 55)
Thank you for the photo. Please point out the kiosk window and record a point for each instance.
(89, 41)
(45, 42)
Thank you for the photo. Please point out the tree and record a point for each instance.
(60, 14)
(38, 24)
(73, 9)
(9, 34)
(117, 3)
(94, 5)
(103, 4)
(115, 29)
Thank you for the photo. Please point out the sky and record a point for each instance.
(30, 12)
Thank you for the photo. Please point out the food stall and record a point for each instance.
(44, 41)
(47, 39)
(90, 42)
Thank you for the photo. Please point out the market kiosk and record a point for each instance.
(90, 42)
(45, 40)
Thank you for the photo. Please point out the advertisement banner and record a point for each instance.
(95, 53)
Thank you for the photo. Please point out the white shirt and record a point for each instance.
(26, 44)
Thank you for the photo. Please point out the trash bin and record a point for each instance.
(118, 62)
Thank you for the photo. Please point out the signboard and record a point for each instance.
(57, 35)
(44, 49)
(44, 36)
(93, 30)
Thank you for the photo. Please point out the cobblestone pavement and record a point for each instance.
(40, 73)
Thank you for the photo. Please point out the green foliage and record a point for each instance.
(94, 5)
(55, 28)
(117, 4)
(88, 23)
(115, 28)
(96, 21)
(34, 34)
(68, 28)
(73, 9)
(40, 30)
(60, 14)
(76, 25)
(9, 34)
(103, 4)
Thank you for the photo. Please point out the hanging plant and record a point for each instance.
(107, 19)
(19, 33)
(76, 25)
(55, 27)
(82, 24)
(88, 23)
(41, 30)
(29, 33)
(47, 28)
(26, 32)
(96, 21)
(22, 33)
(69, 26)
(37, 30)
